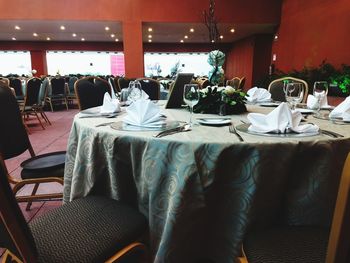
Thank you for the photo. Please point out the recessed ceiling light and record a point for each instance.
(106, 28)
(150, 40)
(35, 34)
(17, 28)
(276, 37)
(181, 40)
(150, 29)
(13, 38)
(191, 30)
(48, 39)
(232, 30)
(186, 37)
(83, 39)
(221, 37)
(149, 36)
(213, 41)
(116, 40)
(74, 35)
(62, 27)
(112, 35)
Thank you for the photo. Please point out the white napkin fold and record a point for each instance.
(109, 105)
(144, 113)
(342, 110)
(312, 102)
(258, 95)
(280, 120)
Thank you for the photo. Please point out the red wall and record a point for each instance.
(311, 31)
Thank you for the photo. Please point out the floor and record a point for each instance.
(53, 138)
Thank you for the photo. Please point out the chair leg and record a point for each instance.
(51, 105)
(35, 188)
(37, 116)
(66, 102)
(8, 256)
(43, 114)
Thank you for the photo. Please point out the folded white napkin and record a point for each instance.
(312, 102)
(342, 110)
(109, 105)
(280, 120)
(258, 95)
(144, 113)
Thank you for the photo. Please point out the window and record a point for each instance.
(15, 62)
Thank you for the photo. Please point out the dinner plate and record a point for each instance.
(334, 120)
(304, 111)
(121, 126)
(95, 112)
(244, 128)
(214, 121)
(269, 104)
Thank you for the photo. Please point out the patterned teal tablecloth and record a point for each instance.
(202, 190)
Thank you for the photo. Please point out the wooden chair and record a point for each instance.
(58, 92)
(306, 243)
(203, 82)
(14, 141)
(90, 229)
(236, 82)
(90, 92)
(151, 87)
(276, 88)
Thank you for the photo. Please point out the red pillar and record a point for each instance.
(38, 58)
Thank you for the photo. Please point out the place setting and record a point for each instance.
(261, 97)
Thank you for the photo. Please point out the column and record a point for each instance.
(38, 58)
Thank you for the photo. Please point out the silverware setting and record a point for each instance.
(182, 128)
(331, 133)
(233, 130)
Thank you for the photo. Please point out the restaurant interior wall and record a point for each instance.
(312, 31)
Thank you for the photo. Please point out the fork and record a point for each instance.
(233, 130)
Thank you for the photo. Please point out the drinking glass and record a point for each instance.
(134, 91)
(191, 97)
(294, 93)
(320, 92)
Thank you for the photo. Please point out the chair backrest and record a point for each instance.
(241, 83)
(43, 91)
(203, 82)
(276, 88)
(90, 92)
(13, 135)
(14, 231)
(6, 81)
(17, 85)
(71, 83)
(236, 82)
(151, 87)
(339, 240)
(32, 92)
(176, 93)
(116, 84)
(58, 86)
(123, 83)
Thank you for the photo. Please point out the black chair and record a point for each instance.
(276, 88)
(151, 87)
(90, 92)
(292, 244)
(58, 92)
(14, 141)
(90, 229)
(123, 82)
(16, 83)
(71, 96)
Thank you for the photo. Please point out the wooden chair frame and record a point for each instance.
(154, 81)
(306, 86)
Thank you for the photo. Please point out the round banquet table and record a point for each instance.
(202, 190)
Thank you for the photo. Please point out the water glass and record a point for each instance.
(134, 91)
(320, 92)
(191, 97)
(294, 94)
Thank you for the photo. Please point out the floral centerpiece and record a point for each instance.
(221, 100)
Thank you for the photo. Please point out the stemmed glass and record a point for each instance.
(134, 91)
(294, 93)
(191, 97)
(320, 92)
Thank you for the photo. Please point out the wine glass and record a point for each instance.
(294, 93)
(320, 92)
(134, 91)
(191, 97)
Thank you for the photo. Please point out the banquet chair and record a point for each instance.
(71, 96)
(6, 81)
(151, 87)
(31, 105)
(123, 82)
(91, 229)
(276, 88)
(16, 83)
(306, 243)
(58, 92)
(41, 100)
(203, 82)
(90, 92)
(116, 84)
(236, 82)
(14, 141)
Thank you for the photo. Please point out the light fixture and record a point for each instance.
(232, 30)
(191, 30)
(74, 35)
(17, 28)
(276, 37)
(62, 27)
(116, 40)
(181, 41)
(150, 40)
(186, 37)
(35, 34)
(13, 38)
(221, 37)
(48, 39)
(150, 29)
(149, 36)
(106, 28)
(82, 39)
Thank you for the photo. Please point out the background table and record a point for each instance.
(202, 190)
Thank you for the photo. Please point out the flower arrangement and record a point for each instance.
(221, 100)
